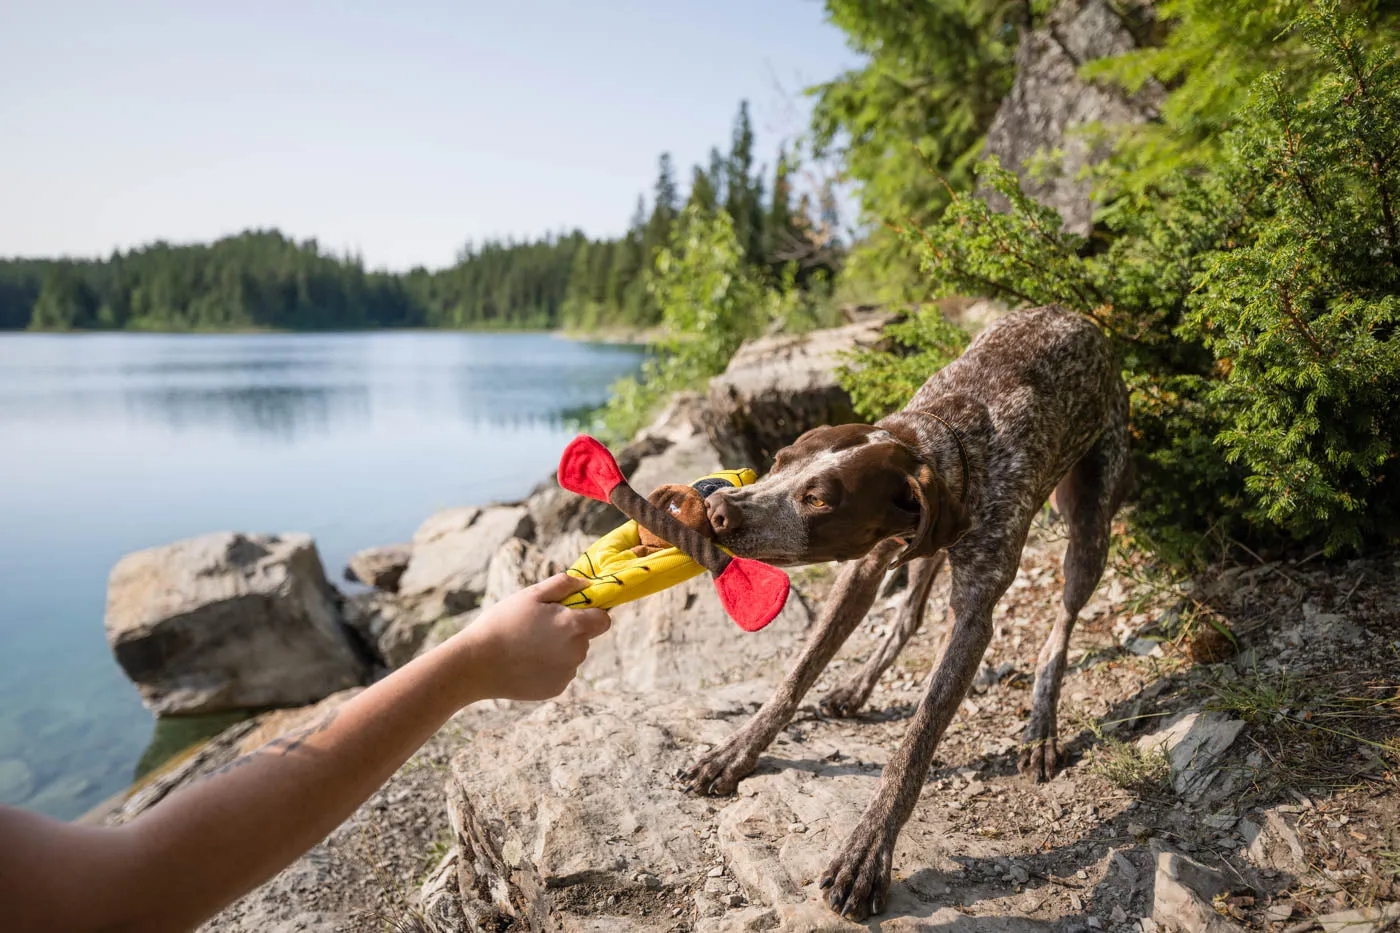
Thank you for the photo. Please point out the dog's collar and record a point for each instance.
(962, 449)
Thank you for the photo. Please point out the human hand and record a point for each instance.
(528, 646)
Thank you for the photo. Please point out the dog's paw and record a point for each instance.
(846, 700)
(857, 881)
(1040, 754)
(718, 773)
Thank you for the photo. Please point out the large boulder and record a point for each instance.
(1050, 106)
(379, 567)
(453, 549)
(229, 621)
(776, 387)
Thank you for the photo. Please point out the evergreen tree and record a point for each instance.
(743, 190)
(65, 301)
(702, 192)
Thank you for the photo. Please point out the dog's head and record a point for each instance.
(833, 495)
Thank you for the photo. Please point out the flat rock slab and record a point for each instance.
(584, 789)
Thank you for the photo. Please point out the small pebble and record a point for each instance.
(717, 872)
(796, 828)
(1119, 915)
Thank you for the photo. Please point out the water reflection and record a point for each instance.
(118, 442)
(280, 413)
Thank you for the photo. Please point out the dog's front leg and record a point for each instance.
(859, 876)
(847, 698)
(719, 771)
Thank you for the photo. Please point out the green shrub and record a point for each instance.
(1254, 307)
(711, 301)
(881, 380)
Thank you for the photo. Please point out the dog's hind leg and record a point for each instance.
(849, 697)
(719, 771)
(1088, 496)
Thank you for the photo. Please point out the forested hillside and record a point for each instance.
(264, 279)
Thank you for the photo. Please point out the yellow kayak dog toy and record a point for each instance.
(656, 549)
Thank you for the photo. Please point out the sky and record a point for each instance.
(396, 130)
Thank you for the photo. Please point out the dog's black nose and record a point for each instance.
(725, 518)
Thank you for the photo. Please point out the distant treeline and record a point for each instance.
(263, 279)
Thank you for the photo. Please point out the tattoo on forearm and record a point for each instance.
(281, 746)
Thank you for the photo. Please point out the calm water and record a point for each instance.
(110, 443)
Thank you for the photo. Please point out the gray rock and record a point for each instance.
(1371, 919)
(1275, 844)
(1182, 892)
(379, 567)
(584, 784)
(1193, 742)
(681, 639)
(1050, 105)
(229, 621)
(777, 387)
(452, 551)
(396, 630)
(517, 564)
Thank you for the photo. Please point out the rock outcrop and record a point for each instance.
(229, 621)
(779, 386)
(1050, 106)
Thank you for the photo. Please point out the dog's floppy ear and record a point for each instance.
(942, 518)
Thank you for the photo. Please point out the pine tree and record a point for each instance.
(743, 191)
(702, 193)
(780, 235)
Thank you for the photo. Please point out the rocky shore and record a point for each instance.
(1210, 784)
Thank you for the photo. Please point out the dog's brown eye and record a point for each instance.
(813, 501)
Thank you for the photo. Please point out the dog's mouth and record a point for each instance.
(758, 547)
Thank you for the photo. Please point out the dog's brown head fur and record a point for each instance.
(833, 495)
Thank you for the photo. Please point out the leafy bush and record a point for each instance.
(881, 380)
(1254, 307)
(711, 301)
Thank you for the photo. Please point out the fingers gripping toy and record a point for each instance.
(656, 550)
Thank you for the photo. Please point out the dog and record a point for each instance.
(1035, 405)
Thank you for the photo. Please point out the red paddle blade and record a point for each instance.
(588, 468)
(753, 593)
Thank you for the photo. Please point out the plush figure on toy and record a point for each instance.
(667, 541)
(687, 503)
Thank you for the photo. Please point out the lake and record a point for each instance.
(114, 442)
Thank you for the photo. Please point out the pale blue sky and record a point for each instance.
(395, 129)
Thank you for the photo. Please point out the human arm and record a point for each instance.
(206, 845)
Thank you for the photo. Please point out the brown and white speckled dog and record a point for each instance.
(1036, 404)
